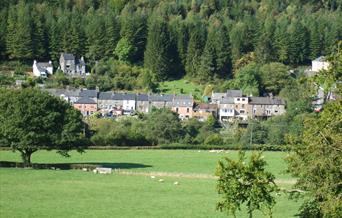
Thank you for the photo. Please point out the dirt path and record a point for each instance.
(189, 176)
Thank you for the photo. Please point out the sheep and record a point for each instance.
(176, 183)
(153, 177)
(161, 180)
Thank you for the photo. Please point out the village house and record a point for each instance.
(128, 103)
(235, 106)
(72, 66)
(86, 105)
(264, 107)
(42, 69)
(161, 100)
(183, 106)
(216, 97)
(203, 111)
(68, 95)
(226, 109)
(89, 93)
(143, 104)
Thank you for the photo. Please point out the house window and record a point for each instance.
(176, 109)
(187, 110)
(243, 106)
(276, 111)
(225, 110)
(242, 111)
(238, 99)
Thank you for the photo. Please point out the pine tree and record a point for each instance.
(315, 42)
(216, 59)
(54, 39)
(281, 40)
(3, 30)
(19, 40)
(157, 54)
(298, 40)
(95, 32)
(195, 49)
(134, 29)
(265, 47)
(39, 36)
(112, 34)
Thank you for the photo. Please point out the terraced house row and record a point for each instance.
(228, 106)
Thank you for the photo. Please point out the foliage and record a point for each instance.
(199, 38)
(247, 184)
(31, 120)
(316, 154)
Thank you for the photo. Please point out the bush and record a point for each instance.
(214, 139)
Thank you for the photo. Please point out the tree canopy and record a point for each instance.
(31, 120)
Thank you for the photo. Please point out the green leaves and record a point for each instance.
(242, 183)
(31, 120)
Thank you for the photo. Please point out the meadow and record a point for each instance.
(182, 86)
(74, 193)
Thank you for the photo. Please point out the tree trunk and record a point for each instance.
(26, 157)
(250, 212)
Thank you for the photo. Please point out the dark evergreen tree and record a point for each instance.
(54, 37)
(298, 49)
(112, 34)
(19, 39)
(96, 33)
(39, 36)
(157, 55)
(315, 42)
(195, 49)
(3, 29)
(216, 59)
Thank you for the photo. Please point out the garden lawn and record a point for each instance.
(74, 193)
(181, 86)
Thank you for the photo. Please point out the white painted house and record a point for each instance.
(42, 69)
(129, 102)
(319, 64)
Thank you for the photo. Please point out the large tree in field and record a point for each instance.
(31, 120)
(249, 184)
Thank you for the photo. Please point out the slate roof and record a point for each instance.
(89, 93)
(80, 62)
(128, 96)
(183, 101)
(218, 95)
(266, 101)
(161, 97)
(41, 66)
(321, 58)
(105, 95)
(142, 97)
(68, 56)
(234, 93)
(227, 100)
(65, 92)
(203, 106)
(85, 100)
(123, 96)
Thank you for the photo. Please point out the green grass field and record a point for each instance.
(74, 193)
(181, 86)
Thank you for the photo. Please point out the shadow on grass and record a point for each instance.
(70, 166)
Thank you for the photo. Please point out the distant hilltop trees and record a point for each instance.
(204, 39)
